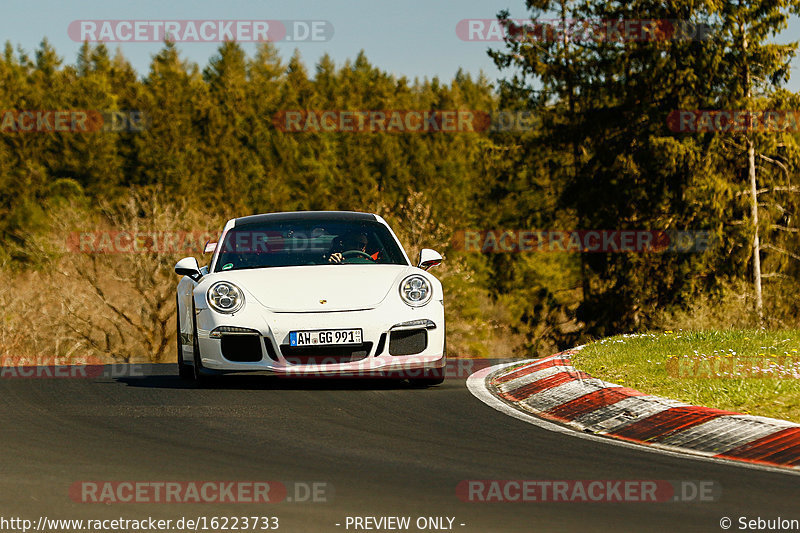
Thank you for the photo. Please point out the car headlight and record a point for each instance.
(225, 297)
(415, 290)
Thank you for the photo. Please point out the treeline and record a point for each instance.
(617, 154)
(600, 155)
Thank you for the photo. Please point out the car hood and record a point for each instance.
(320, 288)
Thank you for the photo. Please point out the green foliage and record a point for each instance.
(742, 370)
(603, 106)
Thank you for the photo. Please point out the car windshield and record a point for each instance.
(307, 242)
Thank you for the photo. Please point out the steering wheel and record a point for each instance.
(357, 253)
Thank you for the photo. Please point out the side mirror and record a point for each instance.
(429, 258)
(188, 267)
(209, 247)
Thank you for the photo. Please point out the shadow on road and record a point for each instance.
(251, 381)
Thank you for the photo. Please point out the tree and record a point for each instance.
(603, 104)
(758, 68)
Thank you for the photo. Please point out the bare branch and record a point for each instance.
(780, 250)
(785, 228)
(775, 275)
(776, 162)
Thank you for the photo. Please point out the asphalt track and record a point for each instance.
(382, 448)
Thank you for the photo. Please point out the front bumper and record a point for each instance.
(273, 332)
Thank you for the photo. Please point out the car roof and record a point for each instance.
(305, 215)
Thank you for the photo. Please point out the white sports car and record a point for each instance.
(311, 293)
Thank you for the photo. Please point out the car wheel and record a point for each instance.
(429, 378)
(197, 369)
(184, 370)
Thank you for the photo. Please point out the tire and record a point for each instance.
(430, 377)
(184, 370)
(198, 376)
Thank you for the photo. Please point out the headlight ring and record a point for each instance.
(415, 290)
(225, 297)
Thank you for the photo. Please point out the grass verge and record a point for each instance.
(748, 371)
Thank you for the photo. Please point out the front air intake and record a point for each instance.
(325, 355)
(408, 342)
(241, 348)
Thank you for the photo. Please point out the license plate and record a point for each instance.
(324, 337)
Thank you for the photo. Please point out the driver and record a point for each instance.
(351, 242)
